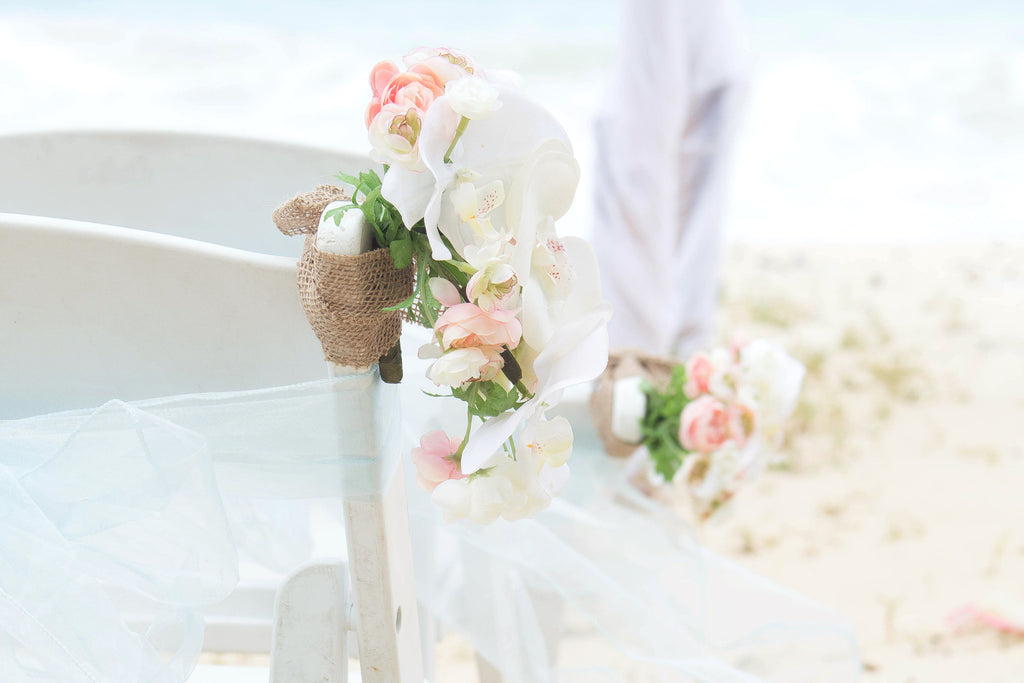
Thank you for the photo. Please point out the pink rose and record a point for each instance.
(380, 76)
(467, 324)
(699, 369)
(416, 88)
(434, 460)
(412, 89)
(704, 425)
(742, 423)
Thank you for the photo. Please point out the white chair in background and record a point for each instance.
(210, 188)
(96, 312)
(93, 312)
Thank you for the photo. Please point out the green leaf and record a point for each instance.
(337, 212)
(660, 424)
(347, 179)
(408, 303)
(492, 400)
(369, 179)
(401, 252)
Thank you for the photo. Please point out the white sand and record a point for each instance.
(900, 500)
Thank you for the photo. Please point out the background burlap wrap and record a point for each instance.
(343, 295)
(624, 363)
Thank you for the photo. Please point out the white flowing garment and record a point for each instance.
(161, 498)
(663, 139)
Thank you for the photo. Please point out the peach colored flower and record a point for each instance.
(742, 423)
(704, 425)
(699, 370)
(380, 76)
(434, 459)
(469, 325)
(412, 89)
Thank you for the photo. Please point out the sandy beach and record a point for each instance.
(898, 500)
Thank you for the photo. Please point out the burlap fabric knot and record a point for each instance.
(624, 363)
(343, 295)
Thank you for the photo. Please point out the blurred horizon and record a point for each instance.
(868, 122)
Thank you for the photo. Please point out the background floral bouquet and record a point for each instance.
(475, 176)
(708, 424)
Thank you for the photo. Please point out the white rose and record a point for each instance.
(394, 134)
(771, 379)
(472, 97)
(459, 366)
(489, 497)
(453, 497)
(723, 473)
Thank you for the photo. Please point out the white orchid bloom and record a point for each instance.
(574, 349)
(577, 352)
(508, 140)
(494, 282)
(474, 206)
(550, 440)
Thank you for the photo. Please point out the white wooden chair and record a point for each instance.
(95, 312)
(91, 312)
(210, 188)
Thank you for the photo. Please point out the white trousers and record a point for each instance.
(663, 138)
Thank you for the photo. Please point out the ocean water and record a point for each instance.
(870, 121)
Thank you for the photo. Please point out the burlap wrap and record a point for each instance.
(300, 215)
(624, 363)
(343, 295)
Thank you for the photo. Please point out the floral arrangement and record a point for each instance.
(475, 176)
(712, 425)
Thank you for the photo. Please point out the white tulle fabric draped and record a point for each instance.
(163, 498)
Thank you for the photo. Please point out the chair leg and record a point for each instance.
(310, 641)
(383, 586)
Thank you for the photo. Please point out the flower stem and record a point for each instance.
(463, 122)
(523, 391)
(511, 367)
(465, 439)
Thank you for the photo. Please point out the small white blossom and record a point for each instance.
(550, 440)
(472, 97)
(454, 498)
(494, 281)
(456, 367)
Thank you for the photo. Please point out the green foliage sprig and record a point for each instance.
(406, 244)
(410, 245)
(660, 424)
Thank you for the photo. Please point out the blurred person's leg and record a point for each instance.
(663, 142)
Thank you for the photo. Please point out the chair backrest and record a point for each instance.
(210, 188)
(92, 312)
(89, 312)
